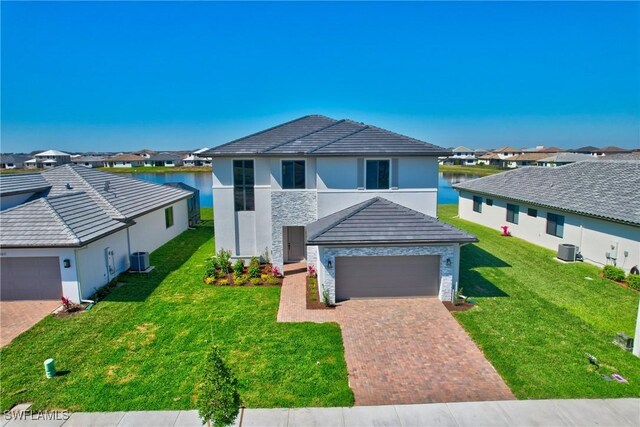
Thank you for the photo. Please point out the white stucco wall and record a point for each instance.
(448, 274)
(593, 236)
(149, 232)
(69, 275)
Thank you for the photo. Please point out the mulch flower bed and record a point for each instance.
(463, 306)
(313, 299)
(71, 311)
(265, 278)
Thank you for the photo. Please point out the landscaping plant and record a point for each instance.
(312, 271)
(211, 265)
(325, 296)
(224, 261)
(217, 396)
(238, 267)
(275, 271)
(613, 273)
(633, 281)
(254, 267)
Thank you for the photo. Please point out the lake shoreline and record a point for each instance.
(474, 170)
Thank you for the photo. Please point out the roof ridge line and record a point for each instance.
(365, 204)
(259, 132)
(303, 136)
(60, 220)
(95, 192)
(424, 215)
(342, 137)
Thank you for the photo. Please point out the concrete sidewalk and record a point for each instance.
(581, 412)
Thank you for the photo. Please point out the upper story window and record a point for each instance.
(532, 212)
(555, 224)
(512, 213)
(377, 175)
(243, 180)
(293, 174)
(489, 202)
(477, 204)
(168, 217)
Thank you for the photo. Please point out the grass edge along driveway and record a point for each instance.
(144, 346)
(536, 318)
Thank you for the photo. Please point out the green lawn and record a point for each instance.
(145, 345)
(476, 170)
(536, 317)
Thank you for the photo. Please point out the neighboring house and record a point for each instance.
(505, 152)
(89, 161)
(598, 152)
(461, 156)
(164, 159)
(356, 201)
(594, 205)
(197, 158)
(70, 230)
(490, 159)
(48, 159)
(146, 153)
(562, 159)
(124, 160)
(13, 161)
(526, 159)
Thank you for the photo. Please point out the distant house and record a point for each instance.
(598, 152)
(562, 159)
(490, 159)
(48, 159)
(526, 159)
(146, 153)
(71, 230)
(164, 159)
(594, 205)
(12, 161)
(460, 156)
(89, 161)
(197, 158)
(124, 161)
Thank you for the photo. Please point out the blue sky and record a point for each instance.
(123, 76)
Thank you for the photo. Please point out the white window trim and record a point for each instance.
(365, 174)
(305, 174)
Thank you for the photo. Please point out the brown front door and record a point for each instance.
(294, 248)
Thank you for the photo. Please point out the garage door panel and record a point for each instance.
(387, 276)
(30, 278)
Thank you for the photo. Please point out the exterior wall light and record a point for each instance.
(329, 264)
(448, 262)
(66, 263)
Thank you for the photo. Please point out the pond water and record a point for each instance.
(203, 182)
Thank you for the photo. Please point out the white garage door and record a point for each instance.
(386, 276)
(30, 278)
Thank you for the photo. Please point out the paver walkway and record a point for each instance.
(18, 316)
(401, 351)
(579, 412)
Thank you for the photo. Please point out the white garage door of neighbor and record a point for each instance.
(30, 278)
(386, 276)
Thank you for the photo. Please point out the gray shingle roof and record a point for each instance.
(22, 183)
(566, 158)
(379, 221)
(80, 207)
(317, 135)
(597, 188)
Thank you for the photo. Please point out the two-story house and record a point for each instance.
(356, 201)
(48, 159)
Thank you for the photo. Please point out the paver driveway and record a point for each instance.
(18, 316)
(401, 351)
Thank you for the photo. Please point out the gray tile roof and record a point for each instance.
(317, 135)
(163, 157)
(22, 183)
(379, 221)
(566, 158)
(597, 188)
(82, 205)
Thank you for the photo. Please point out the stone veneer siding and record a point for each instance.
(446, 272)
(291, 208)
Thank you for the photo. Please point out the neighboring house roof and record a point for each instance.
(317, 135)
(379, 221)
(462, 149)
(125, 157)
(201, 150)
(527, 157)
(612, 149)
(507, 150)
(550, 150)
(13, 158)
(586, 149)
(164, 157)
(490, 156)
(567, 158)
(83, 159)
(597, 188)
(22, 183)
(620, 156)
(81, 205)
(52, 153)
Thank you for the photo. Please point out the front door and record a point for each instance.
(294, 244)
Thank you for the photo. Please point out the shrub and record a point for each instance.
(238, 267)
(613, 273)
(254, 261)
(217, 396)
(275, 271)
(224, 261)
(241, 279)
(67, 304)
(312, 271)
(209, 280)
(272, 280)
(633, 280)
(254, 270)
(325, 296)
(211, 265)
(255, 281)
(264, 277)
(223, 282)
(266, 256)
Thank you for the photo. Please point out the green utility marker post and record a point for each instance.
(49, 368)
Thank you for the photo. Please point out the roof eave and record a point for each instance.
(345, 154)
(391, 242)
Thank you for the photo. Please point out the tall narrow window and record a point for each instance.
(477, 204)
(377, 175)
(293, 174)
(243, 192)
(512, 213)
(168, 217)
(555, 225)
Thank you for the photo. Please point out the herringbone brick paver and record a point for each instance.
(18, 316)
